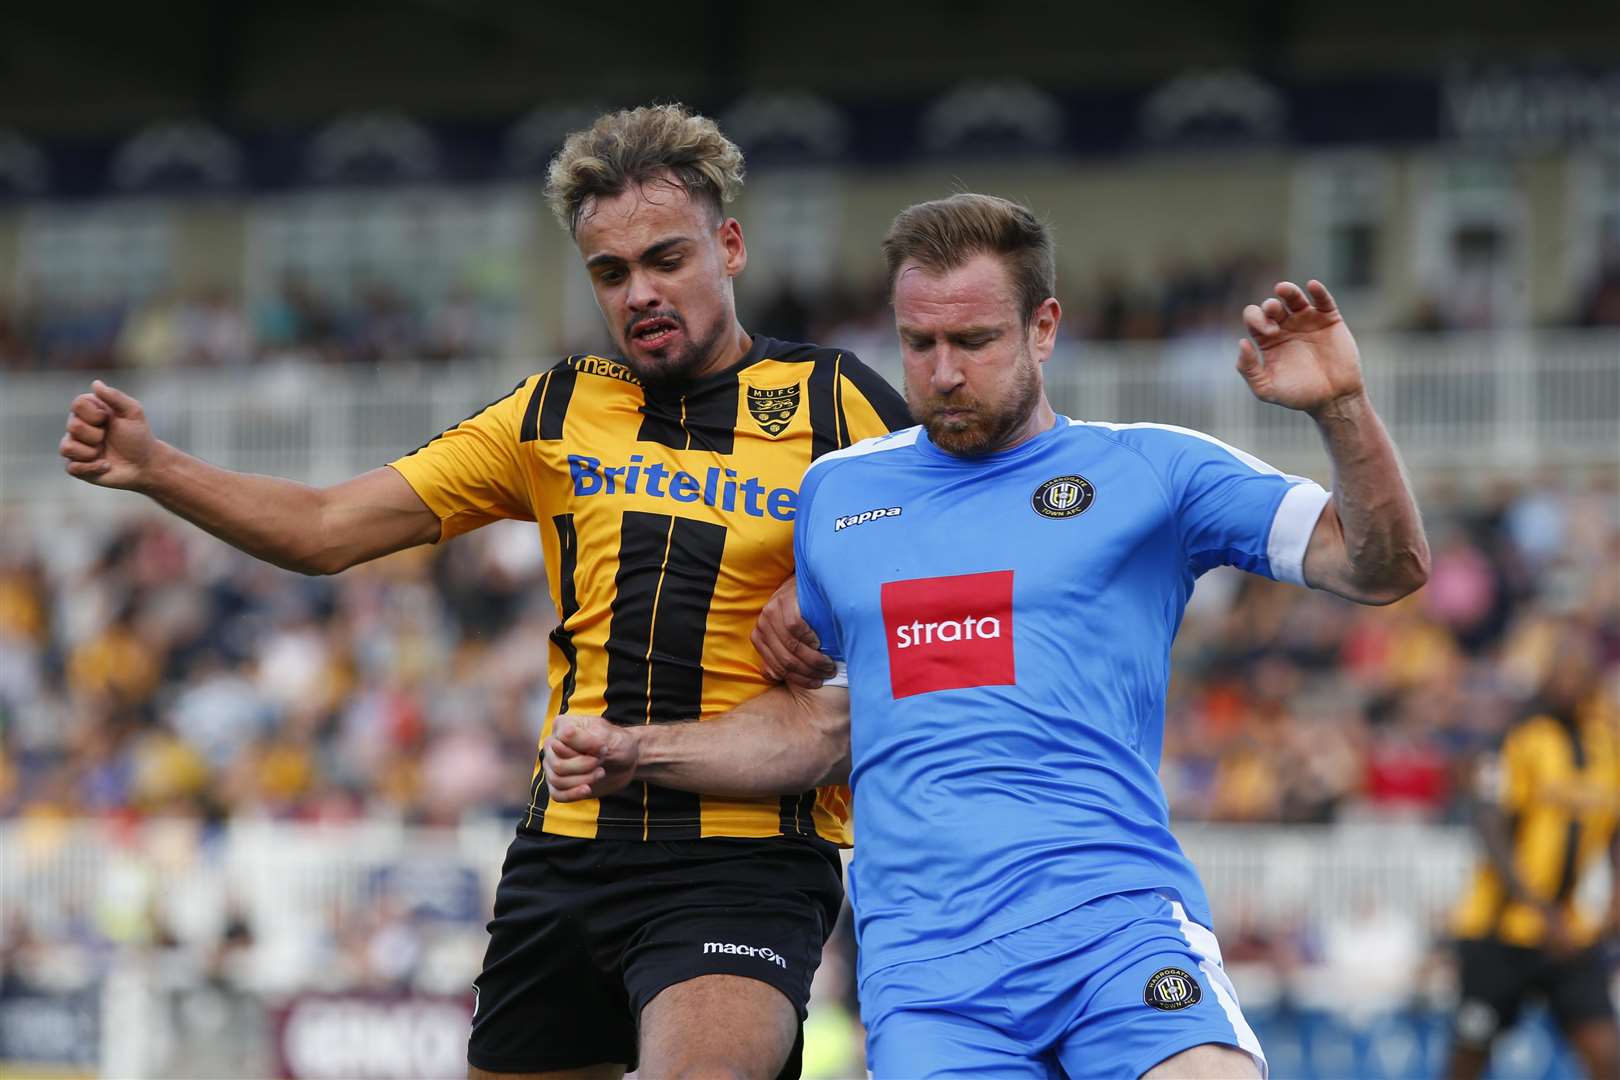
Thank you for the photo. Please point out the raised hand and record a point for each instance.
(587, 757)
(1299, 353)
(108, 441)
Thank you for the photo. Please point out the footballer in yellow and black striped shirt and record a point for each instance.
(673, 930)
(667, 521)
(663, 482)
(1548, 806)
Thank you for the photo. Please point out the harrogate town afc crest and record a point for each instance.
(773, 409)
(1063, 497)
(1172, 989)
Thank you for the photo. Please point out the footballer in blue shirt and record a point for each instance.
(998, 589)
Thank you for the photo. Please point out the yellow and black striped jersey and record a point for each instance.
(667, 522)
(1556, 779)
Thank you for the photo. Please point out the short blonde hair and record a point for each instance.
(943, 234)
(633, 146)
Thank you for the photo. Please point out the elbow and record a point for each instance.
(321, 563)
(1403, 577)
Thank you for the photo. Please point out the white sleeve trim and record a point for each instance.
(1291, 529)
(839, 677)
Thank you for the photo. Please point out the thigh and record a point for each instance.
(1157, 989)
(947, 1017)
(550, 996)
(732, 945)
(922, 1043)
(1492, 981)
(1577, 990)
(720, 1025)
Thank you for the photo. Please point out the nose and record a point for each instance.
(643, 292)
(946, 374)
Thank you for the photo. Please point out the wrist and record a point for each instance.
(1346, 409)
(151, 473)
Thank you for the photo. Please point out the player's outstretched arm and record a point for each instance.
(1369, 544)
(785, 741)
(312, 530)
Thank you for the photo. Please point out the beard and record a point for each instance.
(987, 425)
(673, 368)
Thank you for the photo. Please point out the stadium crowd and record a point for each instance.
(212, 327)
(146, 670)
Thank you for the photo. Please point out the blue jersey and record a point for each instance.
(1007, 622)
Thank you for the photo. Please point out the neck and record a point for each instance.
(732, 347)
(1040, 420)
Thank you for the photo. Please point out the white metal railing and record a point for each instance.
(1500, 400)
(298, 877)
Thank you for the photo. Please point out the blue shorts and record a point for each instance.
(1108, 989)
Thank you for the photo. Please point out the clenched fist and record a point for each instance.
(108, 441)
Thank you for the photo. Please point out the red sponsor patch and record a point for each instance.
(946, 633)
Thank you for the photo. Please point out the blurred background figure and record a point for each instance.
(237, 801)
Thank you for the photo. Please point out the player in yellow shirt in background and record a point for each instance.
(1547, 802)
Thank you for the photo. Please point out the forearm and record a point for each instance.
(280, 521)
(1493, 832)
(783, 742)
(1385, 552)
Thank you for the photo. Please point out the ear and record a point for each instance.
(1043, 326)
(735, 252)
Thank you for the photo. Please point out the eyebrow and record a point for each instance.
(646, 256)
(961, 332)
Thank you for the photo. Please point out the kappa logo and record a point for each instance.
(842, 523)
(1171, 990)
(773, 409)
(726, 948)
(949, 633)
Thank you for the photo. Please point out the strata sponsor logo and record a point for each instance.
(726, 948)
(949, 633)
(717, 487)
(842, 523)
(921, 633)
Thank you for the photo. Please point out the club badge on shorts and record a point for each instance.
(1063, 497)
(1172, 989)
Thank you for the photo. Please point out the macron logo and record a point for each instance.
(949, 633)
(726, 948)
(839, 524)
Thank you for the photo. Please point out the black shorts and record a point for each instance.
(586, 932)
(1496, 980)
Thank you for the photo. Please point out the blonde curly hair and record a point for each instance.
(633, 146)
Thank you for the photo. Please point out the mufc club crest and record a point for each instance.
(773, 409)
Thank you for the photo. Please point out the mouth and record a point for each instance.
(655, 333)
(954, 415)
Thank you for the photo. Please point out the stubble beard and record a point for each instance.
(988, 429)
(674, 372)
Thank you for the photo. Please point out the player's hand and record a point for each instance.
(1299, 353)
(108, 441)
(1559, 940)
(787, 645)
(587, 757)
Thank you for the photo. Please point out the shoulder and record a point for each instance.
(1167, 443)
(589, 364)
(827, 361)
(873, 451)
